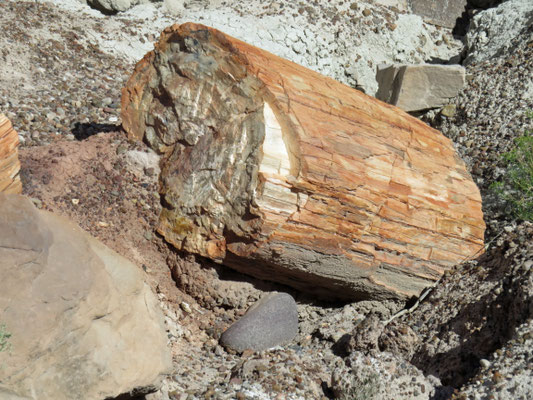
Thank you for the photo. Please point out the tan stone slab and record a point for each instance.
(419, 87)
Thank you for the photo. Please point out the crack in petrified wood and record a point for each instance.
(287, 175)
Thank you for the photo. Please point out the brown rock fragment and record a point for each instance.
(9, 161)
(282, 173)
(365, 335)
(399, 339)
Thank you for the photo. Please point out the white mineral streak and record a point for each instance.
(276, 196)
(275, 155)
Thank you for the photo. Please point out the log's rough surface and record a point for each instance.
(9, 161)
(282, 173)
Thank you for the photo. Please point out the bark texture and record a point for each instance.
(9, 161)
(282, 173)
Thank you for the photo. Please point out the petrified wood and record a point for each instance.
(287, 175)
(9, 161)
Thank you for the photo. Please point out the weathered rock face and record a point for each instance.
(439, 12)
(284, 174)
(419, 87)
(9, 161)
(492, 31)
(83, 323)
(114, 6)
(6, 394)
(401, 5)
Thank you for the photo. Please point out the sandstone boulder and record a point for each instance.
(115, 6)
(83, 323)
(439, 12)
(419, 87)
(9, 161)
(282, 173)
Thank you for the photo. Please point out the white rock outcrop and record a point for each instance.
(114, 6)
(343, 40)
(83, 324)
(492, 31)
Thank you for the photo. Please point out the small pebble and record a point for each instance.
(186, 307)
(150, 171)
(121, 149)
(449, 110)
(38, 203)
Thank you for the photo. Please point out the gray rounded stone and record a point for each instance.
(271, 321)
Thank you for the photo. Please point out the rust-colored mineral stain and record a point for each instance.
(288, 175)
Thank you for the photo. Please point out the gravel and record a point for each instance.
(491, 111)
(509, 373)
(475, 310)
(54, 84)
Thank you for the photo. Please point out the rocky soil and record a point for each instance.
(60, 81)
(491, 111)
(66, 79)
(55, 83)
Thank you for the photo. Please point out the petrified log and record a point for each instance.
(9, 160)
(282, 173)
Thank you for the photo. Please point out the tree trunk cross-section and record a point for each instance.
(287, 175)
(9, 160)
